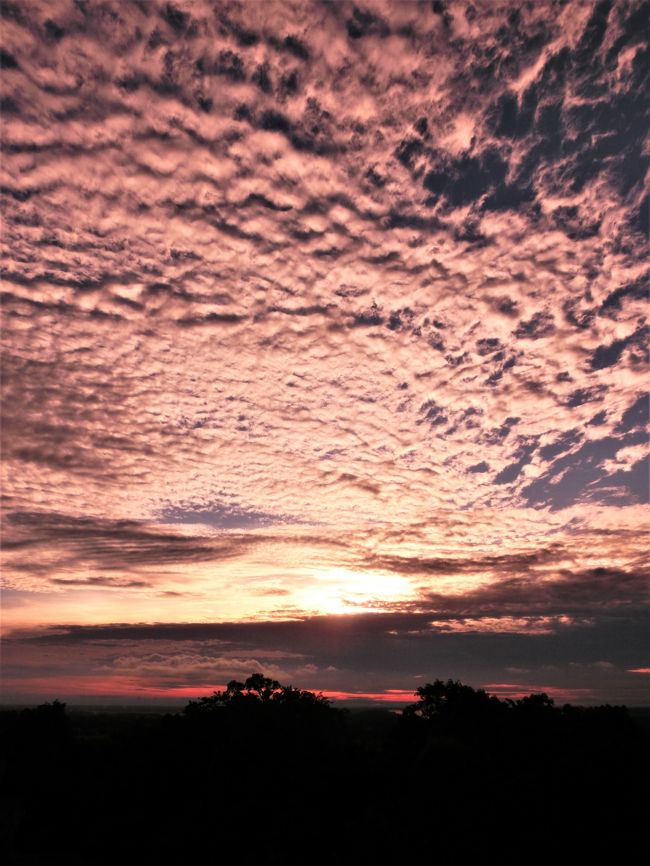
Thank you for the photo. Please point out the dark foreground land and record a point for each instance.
(263, 774)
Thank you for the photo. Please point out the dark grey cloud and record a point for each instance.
(101, 581)
(112, 544)
(371, 651)
(499, 564)
(220, 516)
(584, 593)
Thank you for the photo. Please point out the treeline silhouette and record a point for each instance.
(268, 774)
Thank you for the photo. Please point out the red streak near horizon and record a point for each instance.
(126, 687)
(515, 691)
(69, 688)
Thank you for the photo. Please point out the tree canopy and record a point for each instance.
(255, 691)
(451, 698)
(100, 788)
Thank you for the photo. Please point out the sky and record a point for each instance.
(325, 344)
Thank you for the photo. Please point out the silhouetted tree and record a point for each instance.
(256, 690)
(451, 699)
(104, 788)
(453, 709)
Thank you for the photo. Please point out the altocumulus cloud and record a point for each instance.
(365, 281)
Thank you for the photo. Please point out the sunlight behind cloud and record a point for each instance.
(341, 591)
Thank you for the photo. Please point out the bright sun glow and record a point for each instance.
(340, 590)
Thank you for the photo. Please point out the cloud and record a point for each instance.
(583, 474)
(48, 550)
(225, 517)
(566, 593)
(608, 355)
(320, 286)
(102, 581)
(366, 653)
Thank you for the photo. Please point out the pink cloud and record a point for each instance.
(342, 302)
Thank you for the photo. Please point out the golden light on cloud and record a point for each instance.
(344, 591)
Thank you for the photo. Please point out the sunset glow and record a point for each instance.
(325, 340)
(340, 591)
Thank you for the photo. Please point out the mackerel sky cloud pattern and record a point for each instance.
(325, 329)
